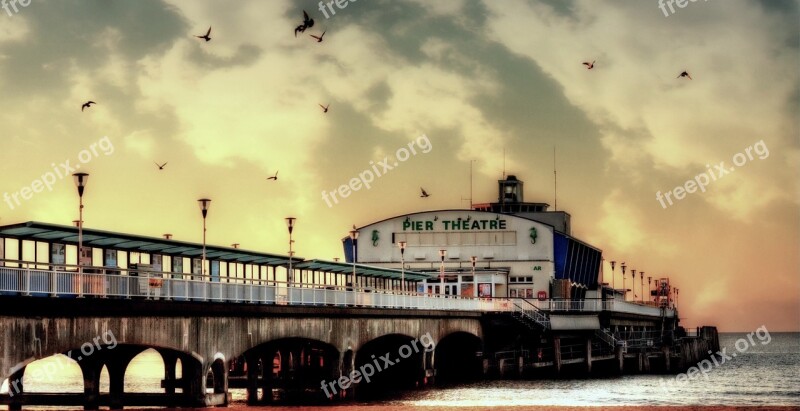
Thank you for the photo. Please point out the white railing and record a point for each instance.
(595, 305)
(42, 279)
(128, 283)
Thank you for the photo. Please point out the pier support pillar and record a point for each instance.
(193, 381)
(620, 359)
(91, 367)
(557, 354)
(15, 389)
(646, 362)
(667, 360)
(170, 362)
(266, 376)
(252, 378)
(117, 363)
(588, 355)
(640, 360)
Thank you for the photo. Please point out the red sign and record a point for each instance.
(542, 295)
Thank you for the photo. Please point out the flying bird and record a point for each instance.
(308, 22)
(325, 108)
(684, 74)
(424, 193)
(275, 177)
(207, 36)
(87, 104)
(160, 166)
(319, 38)
(588, 65)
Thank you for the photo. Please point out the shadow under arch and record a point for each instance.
(285, 370)
(389, 364)
(459, 358)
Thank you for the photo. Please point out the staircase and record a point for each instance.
(530, 316)
(606, 337)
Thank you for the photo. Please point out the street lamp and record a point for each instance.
(473, 259)
(641, 286)
(624, 296)
(290, 273)
(649, 288)
(80, 181)
(442, 254)
(353, 238)
(204, 204)
(613, 282)
(402, 245)
(633, 286)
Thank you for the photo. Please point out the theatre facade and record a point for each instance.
(513, 252)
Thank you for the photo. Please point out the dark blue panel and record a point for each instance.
(347, 243)
(560, 246)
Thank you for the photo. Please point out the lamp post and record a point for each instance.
(442, 254)
(353, 238)
(402, 245)
(204, 204)
(641, 286)
(80, 181)
(677, 291)
(473, 260)
(290, 273)
(649, 288)
(625, 295)
(633, 285)
(613, 282)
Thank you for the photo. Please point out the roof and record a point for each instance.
(36, 231)
(361, 269)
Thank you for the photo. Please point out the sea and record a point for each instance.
(764, 371)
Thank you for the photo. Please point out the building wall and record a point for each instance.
(509, 256)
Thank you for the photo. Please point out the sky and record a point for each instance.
(439, 84)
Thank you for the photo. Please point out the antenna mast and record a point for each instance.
(470, 183)
(555, 181)
(504, 163)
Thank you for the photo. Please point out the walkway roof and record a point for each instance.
(53, 233)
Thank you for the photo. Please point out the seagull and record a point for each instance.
(319, 39)
(87, 104)
(588, 65)
(684, 74)
(308, 22)
(325, 108)
(160, 166)
(207, 37)
(424, 194)
(275, 177)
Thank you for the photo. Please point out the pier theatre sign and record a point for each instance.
(453, 225)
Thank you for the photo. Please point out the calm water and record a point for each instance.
(762, 374)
